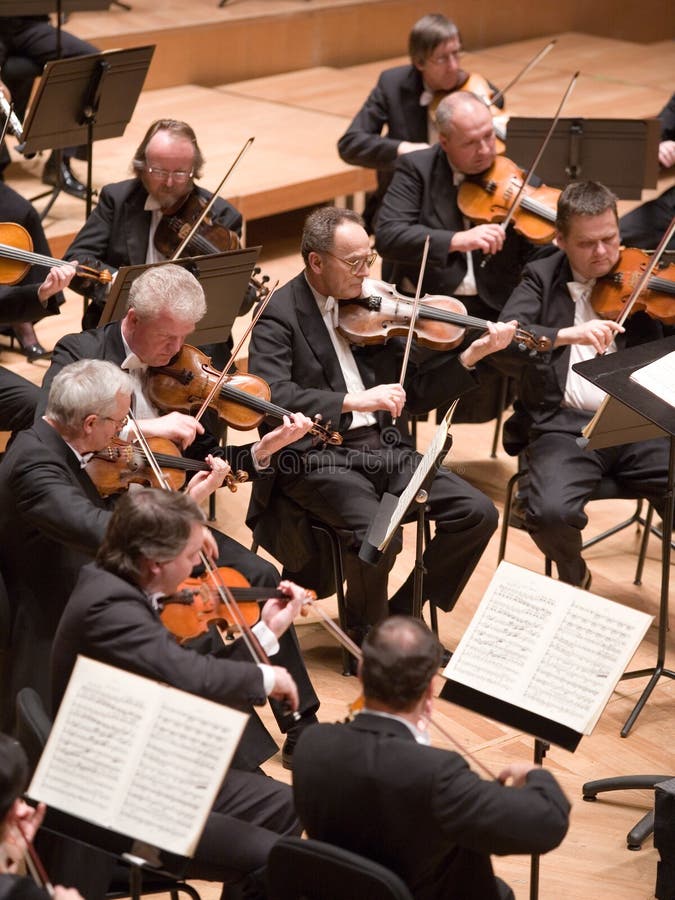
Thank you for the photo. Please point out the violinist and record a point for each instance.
(554, 299)
(401, 101)
(121, 229)
(151, 545)
(375, 786)
(165, 305)
(297, 348)
(19, 822)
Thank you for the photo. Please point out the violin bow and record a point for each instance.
(240, 343)
(649, 268)
(34, 863)
(214, 197)
(530, 172)
(413, 315)
(537, 58)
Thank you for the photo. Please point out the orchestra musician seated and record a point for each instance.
(363, 785)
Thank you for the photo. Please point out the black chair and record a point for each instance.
(32, 730)
(608, 489)
(642, 829)
(314, 870)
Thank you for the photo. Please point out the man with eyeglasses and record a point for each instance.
(297, 348)
(121, 229)
(402, 103)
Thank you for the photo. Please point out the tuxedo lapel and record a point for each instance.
(53, 440)
(136, 221)
(316, 334)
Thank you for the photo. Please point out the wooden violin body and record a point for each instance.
(122, 463)
(488, 197)
(611, 292)
(16, 257)
(211, 237)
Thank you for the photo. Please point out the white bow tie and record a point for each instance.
(133, 364)
(332, 308)
(580, 290)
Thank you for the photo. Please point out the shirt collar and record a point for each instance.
(421, 737)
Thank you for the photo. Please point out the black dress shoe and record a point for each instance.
(28, 343)
(292, 736)
(62, 177)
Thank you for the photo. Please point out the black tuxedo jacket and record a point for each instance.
(292, 350)
(116, 233)
(111, 620)
(422, 200)
(371, 788)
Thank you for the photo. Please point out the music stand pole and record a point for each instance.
(540, 750)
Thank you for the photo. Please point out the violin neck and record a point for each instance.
(257, 404)
(8, 252)
(661, 284)
(198, 242)
(531, 204)
(434, 313)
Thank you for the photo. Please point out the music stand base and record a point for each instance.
(657, 672)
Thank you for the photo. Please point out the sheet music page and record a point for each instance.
(136, 756)
(421, 472)
(658, 377)
(547, 647)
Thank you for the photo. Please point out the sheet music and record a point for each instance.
(658, 377)
(136, 756)
(412, 488)
(547, 647)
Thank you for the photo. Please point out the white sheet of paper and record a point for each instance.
(658, 377)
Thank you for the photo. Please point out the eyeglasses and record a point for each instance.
(179, 176)
(445, 58)
(355, 264)
(118, 423)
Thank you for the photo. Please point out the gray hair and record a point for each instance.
(319, 232)
(170, 289)
(427, 33)
(177, 130)
(450, 105)
(83, 388)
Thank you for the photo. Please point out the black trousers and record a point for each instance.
(563, 476)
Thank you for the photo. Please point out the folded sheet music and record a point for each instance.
(658, 377)
(136, 756)
(547, 647)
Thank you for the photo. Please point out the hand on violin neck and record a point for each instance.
(292, 428)
(58, 278)
(387, 397)
(278, 613)
(410, 146)
(285, 689)
(667, 154)
(598, 333)
(498, 337)
(203, 484)
(515, 774)
(175, 426)
(486, 238)
(22, 824)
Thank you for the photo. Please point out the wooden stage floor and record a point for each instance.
(592, 861)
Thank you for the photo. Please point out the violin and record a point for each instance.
(488, 197)
(611, 292)
(121, 464)
(441, 321)
(210, 237)
(242, 401)
(16, 257)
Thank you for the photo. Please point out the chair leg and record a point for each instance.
(503, 394)
(508, 502)
(338, 570)
(643, 545)
(640, 832)
(635, 518)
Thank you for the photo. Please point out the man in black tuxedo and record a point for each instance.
(121, 229)
(553, 301)
(377, 788)
(151, 545)
(402, 102)
(310, 366)
(36, 38)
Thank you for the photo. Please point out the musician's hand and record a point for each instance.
(667, 154)
(409, 146)
(205, 483)
(209, 546)
(6, 91)
(58, 278)
(515, 774)
(278, 612)
(175, 426)
(487, 238)
(598, 333)
(29, 819)
(388, 397)
(285, 689)
(498, 336)
(64, 893)
(292, 429)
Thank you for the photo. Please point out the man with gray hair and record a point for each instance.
(402, 102)
(52, 518)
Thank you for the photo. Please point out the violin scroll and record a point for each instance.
(528, 341)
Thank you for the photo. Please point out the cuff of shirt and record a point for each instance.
(268, 678)
(267, 638)
(260, 465)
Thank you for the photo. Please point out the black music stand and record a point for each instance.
(621, 153)
(224, 276)
(633, 413)
(83, 99)
(394, 510)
